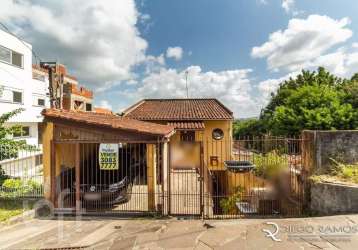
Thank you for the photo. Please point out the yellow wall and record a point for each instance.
(220, 148)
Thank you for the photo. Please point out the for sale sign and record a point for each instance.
(108, 156)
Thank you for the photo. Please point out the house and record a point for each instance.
(21, 87)
(166, 156)
(195, 140)
(205, 121)
(200, 146)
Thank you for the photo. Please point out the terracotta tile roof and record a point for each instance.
(109, 121)
(192, 125)
(179, 109)
(102, 110)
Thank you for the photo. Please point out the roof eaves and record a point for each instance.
(132, 107)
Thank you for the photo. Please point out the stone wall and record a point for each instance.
(333, 198)
(340, 145)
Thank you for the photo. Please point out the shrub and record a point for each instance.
(347, 172)
(17, 188)
(228, 205)
(269, 165)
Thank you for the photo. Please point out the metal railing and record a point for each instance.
(268, 177)
(21, 172)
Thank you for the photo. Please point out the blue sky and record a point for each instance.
(127, 50)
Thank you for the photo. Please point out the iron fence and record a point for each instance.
(240, 178)
(126, 189)
(263, 176)
(21, 172)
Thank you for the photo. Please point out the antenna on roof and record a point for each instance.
(186, 83)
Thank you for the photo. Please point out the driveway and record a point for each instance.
(336, 232)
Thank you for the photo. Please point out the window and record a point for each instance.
(78, 105)
(5, 55)
(16, 59)
(187, 136)
(88, 107)
(11, 57)
(41, 102)
(16, 97)
(218, 134)
(24, 132)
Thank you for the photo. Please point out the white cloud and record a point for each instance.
(105, 104)
(355, 45)
(97, 40)
(288, 5)
(269, 86)
(175, 52)
(232, 87)
(302, 42)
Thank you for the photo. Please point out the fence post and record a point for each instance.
(151, 175)
(77, 176)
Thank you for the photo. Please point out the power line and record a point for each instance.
(27, 46)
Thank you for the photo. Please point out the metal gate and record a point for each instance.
(263, 176)
(249, 177)
(104, 190)
(186, 179)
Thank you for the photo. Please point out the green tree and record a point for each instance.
(9, 148)
(313, 107)
(312, 100)
(247, 128)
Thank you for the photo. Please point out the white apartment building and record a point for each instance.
(21, 86)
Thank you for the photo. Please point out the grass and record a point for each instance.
(10, 208)
(347, 173)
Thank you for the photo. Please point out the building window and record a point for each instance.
(88, 107)
(78, 105)
(218, 134)
(41, 102)
(23, 132)
(16, 97)
(11, 57)
(187, 136)
(16, 59)
(5, 55)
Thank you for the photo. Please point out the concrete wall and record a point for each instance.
(332, 198)
(322, 145)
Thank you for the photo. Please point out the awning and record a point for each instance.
(196, 125)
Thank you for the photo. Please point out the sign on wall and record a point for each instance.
(108, 156)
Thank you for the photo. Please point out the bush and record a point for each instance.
(17, 188)
(346, 172)
(228, 205)
(269, 165)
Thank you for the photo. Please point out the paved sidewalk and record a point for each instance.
(335, 232)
